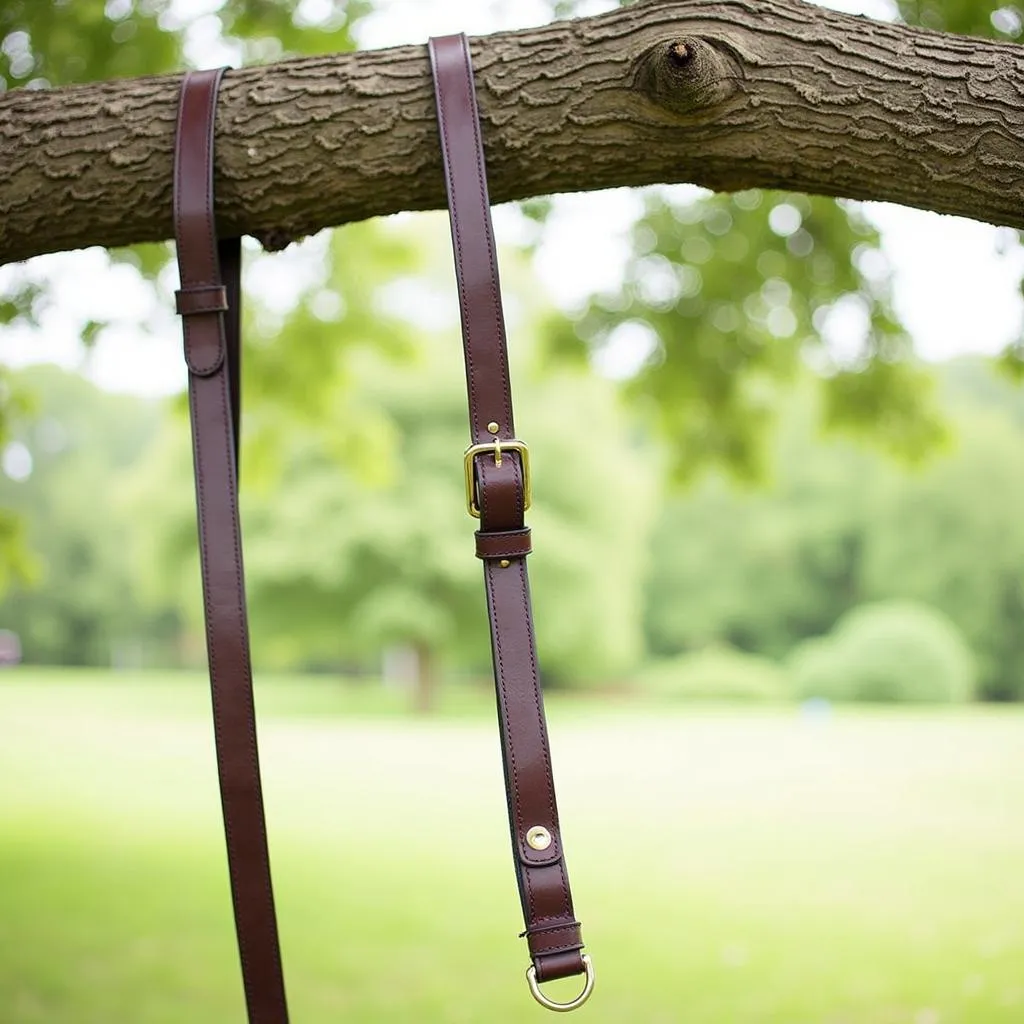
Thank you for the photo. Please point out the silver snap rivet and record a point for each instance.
(538, 837)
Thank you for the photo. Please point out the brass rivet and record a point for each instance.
(493, 427)
(538, 837)
(504, 563)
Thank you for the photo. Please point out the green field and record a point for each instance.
(729, 866)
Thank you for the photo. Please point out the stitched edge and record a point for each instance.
(460, 274)
(209, 83)
(436, 59)
(481, 176)
(504, 544)
(441, 93)
(248, 950)
(277, 990)
(536, 929)
(572, 940)
(567, 948)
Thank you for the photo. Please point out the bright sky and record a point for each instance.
(953, 290)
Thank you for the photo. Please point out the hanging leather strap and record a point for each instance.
(498, 492)
(209, 302)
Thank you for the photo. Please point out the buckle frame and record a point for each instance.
(496, 448)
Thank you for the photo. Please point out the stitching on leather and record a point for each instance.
(187, 88)
(570, 940)
(211, 88)
(277, 993)
(267, 891)
(203, 298)
(516, 810)
(488, 230)
(229, 832)
(536, 693)
(437, 58)
(514, 802)
(528, 879)
(236, 532)
(456, 233)
(567, 948)
(489, 577)
(564, 878)
(513, 544)
(560, 864)
(535, 929)
(187, 330)
(178, 234)
(211, 230)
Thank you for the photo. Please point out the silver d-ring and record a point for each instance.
(550, 1004)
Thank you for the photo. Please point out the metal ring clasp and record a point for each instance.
(550, 1004)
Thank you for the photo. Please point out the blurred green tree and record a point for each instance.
(733, 291)
(838, 526)
(339, 566)
(715, 673)
(892, 651)
(64, 471)
(70, 41)
(732, 295)
(355, 538)
(952, 536)
(64, 42)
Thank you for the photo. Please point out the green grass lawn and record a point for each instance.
(729, 866)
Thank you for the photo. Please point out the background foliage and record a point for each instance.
(887, 652)
(727, 369)
(345, 562)
(697, 539)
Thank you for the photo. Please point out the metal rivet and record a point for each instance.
(538, 837)
(504, 563)
(493, 427)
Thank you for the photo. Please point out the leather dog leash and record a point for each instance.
(497, 470)
(209, 302)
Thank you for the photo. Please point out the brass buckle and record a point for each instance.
(495, 448)
(550, 1004)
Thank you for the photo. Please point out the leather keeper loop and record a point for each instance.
(552, 966)
(207, 298)
(565, 940)
(503, 544)
(543, 929)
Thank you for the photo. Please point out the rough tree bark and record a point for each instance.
(725, 93)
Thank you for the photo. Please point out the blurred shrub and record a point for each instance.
(889, 651)
(715, 673)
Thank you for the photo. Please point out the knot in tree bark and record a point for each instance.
(687, 75)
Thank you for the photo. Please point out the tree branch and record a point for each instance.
(729, 94)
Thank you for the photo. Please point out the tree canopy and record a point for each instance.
(722, 320)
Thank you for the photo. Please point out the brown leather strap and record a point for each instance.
(209, 301)
(499, 492)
